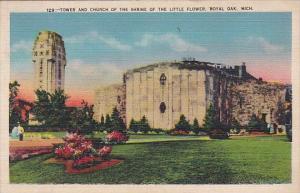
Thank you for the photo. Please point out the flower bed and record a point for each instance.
(81, 151)
(116, 137)
(179, 132)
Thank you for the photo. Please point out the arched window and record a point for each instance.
(163, 79)
(162, 107)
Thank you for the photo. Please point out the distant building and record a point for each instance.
(49, 60)
(164, 91)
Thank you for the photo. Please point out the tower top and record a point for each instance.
(45, 35)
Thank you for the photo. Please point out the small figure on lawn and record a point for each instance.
(20, 131)
(14, 132)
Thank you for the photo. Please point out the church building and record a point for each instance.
(162, 92)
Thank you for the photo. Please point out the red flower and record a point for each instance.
(105, 151)
(116, 136)
(58, 152)
(84, 160)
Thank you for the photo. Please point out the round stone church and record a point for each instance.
(162, 92)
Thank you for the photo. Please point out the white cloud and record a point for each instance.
(173, 41)
(22, 46)
(264, 44)
(85, 75)
(96, 37)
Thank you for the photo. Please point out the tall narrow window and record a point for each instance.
(41, 69)
(163, 79)
(59, 70)
(162, 107)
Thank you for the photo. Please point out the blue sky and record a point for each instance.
(106, 44)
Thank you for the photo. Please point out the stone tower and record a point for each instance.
(49, 60)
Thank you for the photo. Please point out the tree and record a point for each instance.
(210, 121)
(183, 124)
(50, 109)
(102, 120)
(117, 123)
(256, 124)
(280, 113)
(236, 125)
(81, 118)
(58, 116)
(133, 126)
(195, 127)
(14, 109)
(108, 123)
(144, 125)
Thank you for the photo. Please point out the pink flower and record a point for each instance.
(116, 136)
(105, 151)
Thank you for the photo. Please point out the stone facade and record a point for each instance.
(107, 98)
(49, 60)
(164, 91)
(256, 97)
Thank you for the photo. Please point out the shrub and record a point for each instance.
(195, 127)
(133, 126)
(289, 133)
(77, 148)
(116, 137)
(256, 124)
(218, 134)
(210, 120)
(117, 123)
(105, 151)
(178, 132)
(183, 124)
(158, 130)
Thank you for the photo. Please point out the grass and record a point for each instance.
(134, 138)
(43, 135)
(190, 161)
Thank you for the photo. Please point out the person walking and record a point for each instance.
(20, 132)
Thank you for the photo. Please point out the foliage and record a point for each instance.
(140, 126)
(289, 133)
(117, 123)
(183, 124)
(105, 151)
(81, 150)
(134, 126)
(144, 126)
(116, 137)
(75, 147)
(235, 125)
(158, 130)
(280, 113)
(178, 132)
(14, 109)
(210, 120)
(218, 134)
(256, 124)
(50, 109)
(108, 122)
(81, 119)
(195, 127)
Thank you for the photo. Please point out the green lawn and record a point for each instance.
(189, 161)
(138, 138)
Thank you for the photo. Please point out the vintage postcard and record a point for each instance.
(135, 96)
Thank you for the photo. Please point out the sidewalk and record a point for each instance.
(19, 150)
(33, 144)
